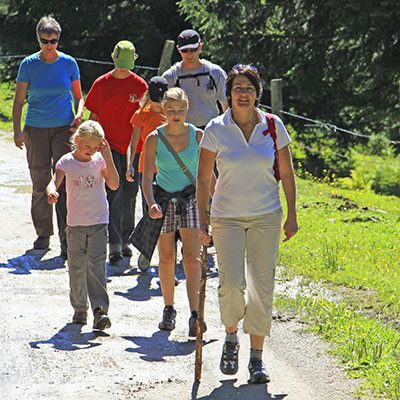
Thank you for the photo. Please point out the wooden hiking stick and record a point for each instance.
(200, 320)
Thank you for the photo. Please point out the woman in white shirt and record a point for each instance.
(246, 212)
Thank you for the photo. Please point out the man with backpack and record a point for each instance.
(203, 81)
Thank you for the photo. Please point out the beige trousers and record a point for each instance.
(246, 289)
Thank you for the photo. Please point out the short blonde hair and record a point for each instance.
(88, 130)
(175, 94)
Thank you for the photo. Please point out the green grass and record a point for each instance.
(348, 242)
(6, 100)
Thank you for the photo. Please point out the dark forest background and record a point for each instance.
(339, 61)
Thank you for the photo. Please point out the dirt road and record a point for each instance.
(44, 356)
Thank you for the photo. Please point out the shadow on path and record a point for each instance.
(143, 290)
(71, 338)
(32, 260)
(228, 391)
(158, 346)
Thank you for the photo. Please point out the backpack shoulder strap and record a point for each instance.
(271, 125)
(207, 72)
(272, 131)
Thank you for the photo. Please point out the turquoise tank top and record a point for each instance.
(170, 176)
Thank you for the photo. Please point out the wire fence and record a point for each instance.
(331, 127)
(83, 60)
(334, 129)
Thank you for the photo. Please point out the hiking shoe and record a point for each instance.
(257, 371)
(64, 249)
(80, 317)
(193, 325)
(115, 252)
(229, 364)
(143, 263)
(101, 320)
(126, 251)
(42, 242)
(168, 320)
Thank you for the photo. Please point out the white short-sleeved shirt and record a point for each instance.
(86, 194)
(246, 185)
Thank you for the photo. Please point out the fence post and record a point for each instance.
(276, 97)
(165, 61)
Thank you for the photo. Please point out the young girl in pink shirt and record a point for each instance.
(85, 169)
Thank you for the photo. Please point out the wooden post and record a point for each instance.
(276, 97)
(165, 61)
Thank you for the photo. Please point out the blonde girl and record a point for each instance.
(173, 199)
(85, 169)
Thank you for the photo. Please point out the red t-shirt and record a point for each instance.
(147, 121)
(114, 101)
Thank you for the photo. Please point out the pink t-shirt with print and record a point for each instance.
(86, 195)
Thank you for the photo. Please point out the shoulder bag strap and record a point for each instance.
(176, 156)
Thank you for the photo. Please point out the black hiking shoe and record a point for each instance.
(126, 250)
(101, 320)
(229, 364)
(257, 371)
(168, 320)
(80, 318)
(42, 242)
(193, 325)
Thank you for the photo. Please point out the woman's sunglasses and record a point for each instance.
(45, 41)
(243, 66)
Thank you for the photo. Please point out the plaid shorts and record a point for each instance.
(174, 222)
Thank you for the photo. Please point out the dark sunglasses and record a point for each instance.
(45, 41)
(189, 50)
(243, 66)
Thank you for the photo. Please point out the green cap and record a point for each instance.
(124, 54)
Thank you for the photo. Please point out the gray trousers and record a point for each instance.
(44, 147)
(87, 266)
(247, 292)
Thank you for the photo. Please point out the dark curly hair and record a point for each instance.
(251, 74)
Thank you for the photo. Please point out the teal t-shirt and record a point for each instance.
(49, 90)
(170, 176)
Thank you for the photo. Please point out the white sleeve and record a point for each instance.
(208, 141)
(282, 135)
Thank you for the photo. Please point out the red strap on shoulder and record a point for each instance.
(272, 131)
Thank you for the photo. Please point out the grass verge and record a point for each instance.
(348, 242)
(6, 100)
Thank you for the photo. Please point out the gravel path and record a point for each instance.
(44, 356)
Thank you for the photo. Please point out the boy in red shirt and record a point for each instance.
(112, 100)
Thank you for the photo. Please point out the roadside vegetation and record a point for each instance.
(6, 99)
(345, 262)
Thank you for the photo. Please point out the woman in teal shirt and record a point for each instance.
(181, 212)
(47, 78)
